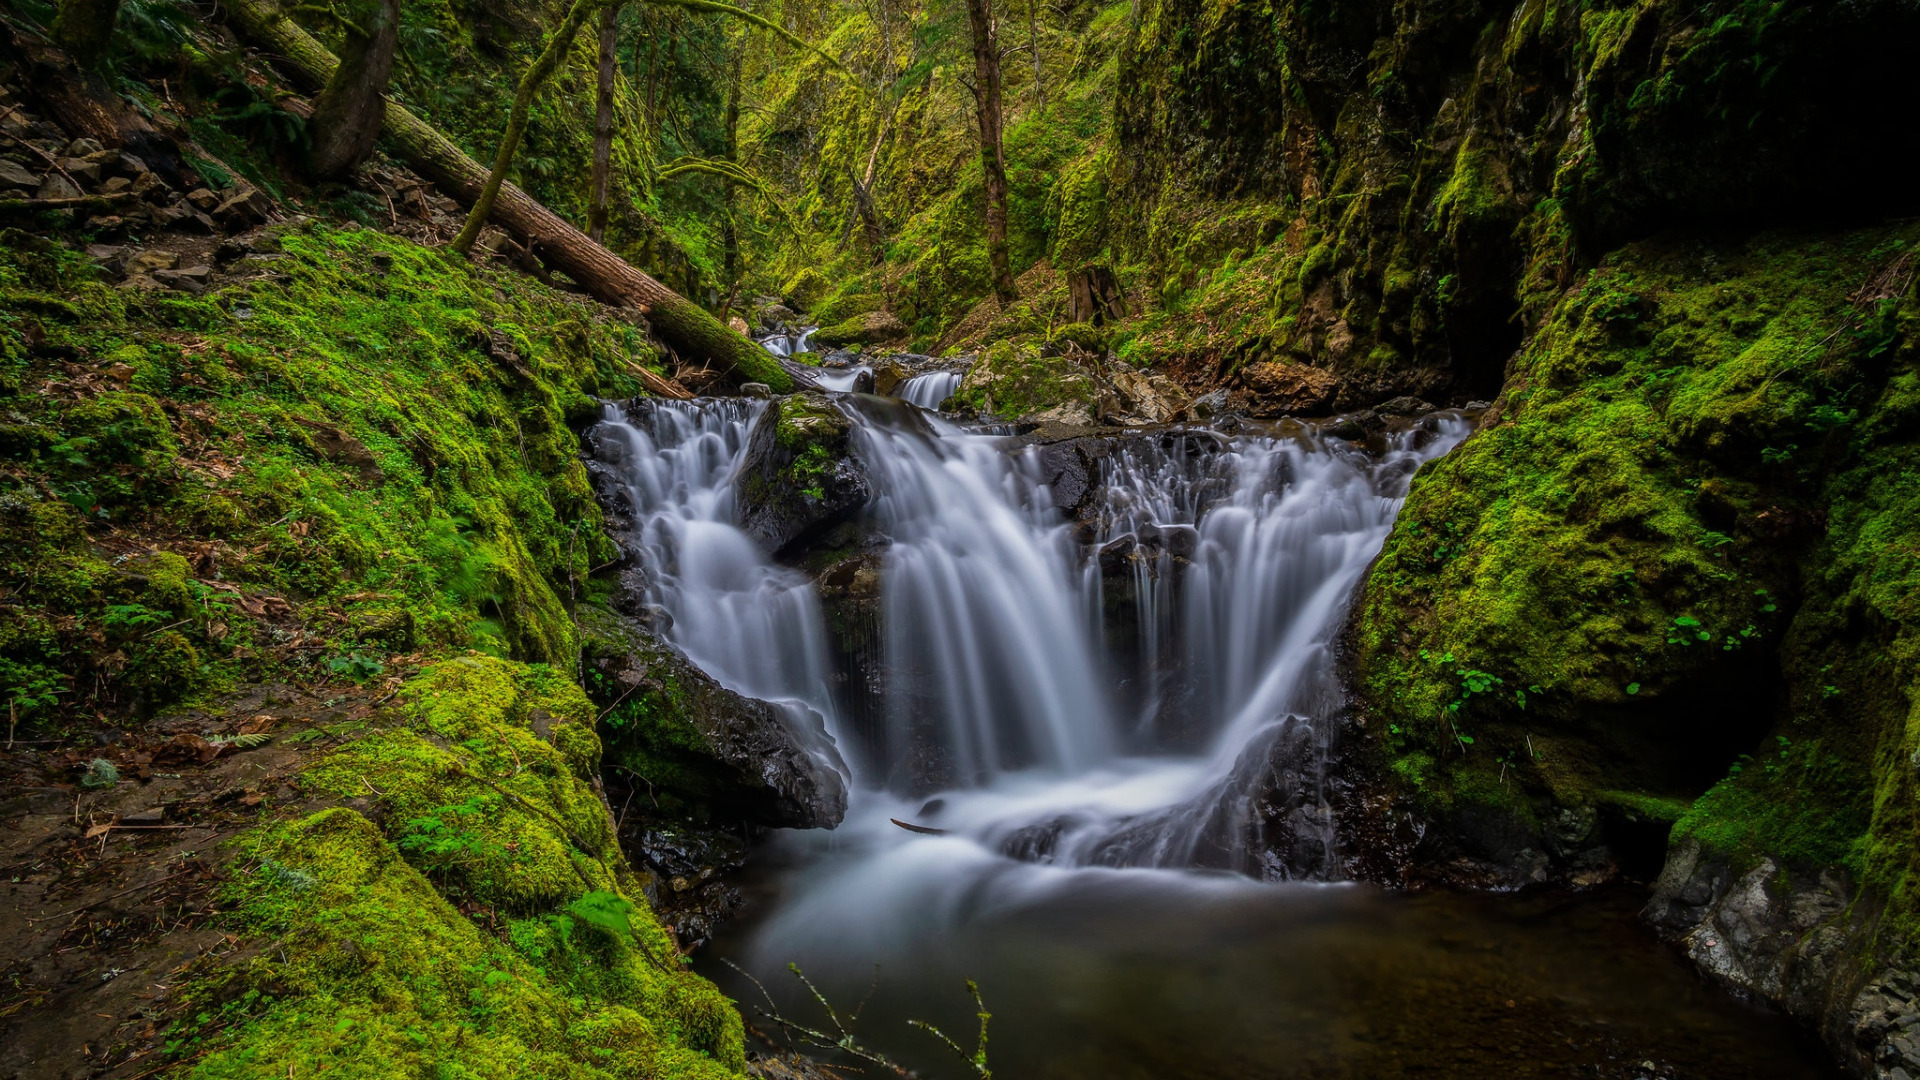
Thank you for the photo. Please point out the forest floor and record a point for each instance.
(111, 892)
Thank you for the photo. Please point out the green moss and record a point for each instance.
(489, 926)
(1014, 380)
(1702, 469)
(374, 434)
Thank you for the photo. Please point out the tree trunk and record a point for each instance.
(1094, 296)
(993, 157)
(603, 129)
(347, 114)
(682, 324)
(1033, 47)
(84, 28)
(730, 227)
(557, 45)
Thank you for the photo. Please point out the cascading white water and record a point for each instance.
(1244, 554)
(752, 625)
(931, 390)
(786, 343)
(841, 380)
(983, 613)
(1241, 557)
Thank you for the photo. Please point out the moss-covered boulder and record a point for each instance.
(800, 476)
(1020, 381)
(871, 328)
(698, 745)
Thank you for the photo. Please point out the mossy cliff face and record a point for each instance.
(1671, 579)
(1394, 190)
(465, 912)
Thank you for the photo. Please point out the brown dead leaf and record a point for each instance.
(256, 725)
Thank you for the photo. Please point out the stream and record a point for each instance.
(1111, 730)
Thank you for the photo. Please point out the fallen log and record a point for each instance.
(681, 323)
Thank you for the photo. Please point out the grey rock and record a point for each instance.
(758, 390)
(194, 279)
(80, 169)
(15, 175)
(202, 199)
(56, 186)
(244, 210)
(82, 147)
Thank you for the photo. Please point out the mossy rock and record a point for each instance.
(1018, 381)
(799, 475)
(702, 747)
(871, 328)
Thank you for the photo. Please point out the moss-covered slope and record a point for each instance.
(465, 912)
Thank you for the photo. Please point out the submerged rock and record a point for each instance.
(799, 476)
(693, 739)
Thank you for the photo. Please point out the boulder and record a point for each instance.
(675, 727)
(871, 328)
(799, 476)
(1279, 389)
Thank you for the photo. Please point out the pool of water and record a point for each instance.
(1159, 974)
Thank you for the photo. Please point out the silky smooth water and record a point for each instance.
(1083, 797)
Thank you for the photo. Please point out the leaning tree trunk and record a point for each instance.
(602, 182)
(685, 326)
(85, 28)
(993, 156)
(347, 114)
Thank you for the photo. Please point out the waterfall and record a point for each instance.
(1146, 684)
(841, 380)
(753, 625)
(931, 390)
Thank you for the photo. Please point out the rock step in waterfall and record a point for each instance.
(1097, 651)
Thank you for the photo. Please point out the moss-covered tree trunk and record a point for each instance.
(602, 182)
(85, 28)
(348, 113)
(993, 155)
(688, 328)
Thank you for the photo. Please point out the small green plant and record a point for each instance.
(1773, 456)
(357, 667)
(443, 840)
(99, 773)
(1686, 630)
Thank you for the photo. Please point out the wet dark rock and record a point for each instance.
(1356, 426)
(1404, 406)
(700, 744)
(799, 476)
